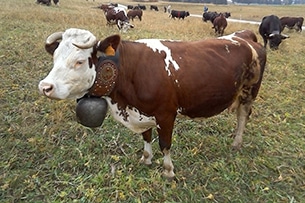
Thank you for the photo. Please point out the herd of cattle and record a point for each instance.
(151, 93)
(120, 15)
(270, 28)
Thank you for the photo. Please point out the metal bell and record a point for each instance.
(91, 112)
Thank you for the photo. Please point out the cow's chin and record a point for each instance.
(76, 96)
(66, 96)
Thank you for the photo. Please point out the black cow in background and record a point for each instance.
(44, 2)
(270, 30)
(153, 7)
(211, 15)
(47, 2)
(142, 7)
(179, 14)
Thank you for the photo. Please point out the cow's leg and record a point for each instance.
(165, 130)
(243, 112)
(147, 153)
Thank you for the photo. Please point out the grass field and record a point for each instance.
(46, 156)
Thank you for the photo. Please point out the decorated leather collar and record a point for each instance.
(107, 70)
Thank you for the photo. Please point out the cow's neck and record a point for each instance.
(107, 70)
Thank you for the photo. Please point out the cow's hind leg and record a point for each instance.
(243, 112)
(147, 153)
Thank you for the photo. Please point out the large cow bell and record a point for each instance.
(91, 112)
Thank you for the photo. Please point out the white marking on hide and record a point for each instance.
(227, 48)
(230, 38)
(156, 45)
(136, 121)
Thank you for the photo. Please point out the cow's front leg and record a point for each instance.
(147, 153)
(243, 112)
(165, 131)
(168, 164)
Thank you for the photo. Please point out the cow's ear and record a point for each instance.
(109, 45)
(50, 48)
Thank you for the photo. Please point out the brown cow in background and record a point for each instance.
(220, 24)
(131, 14)
(292, 23)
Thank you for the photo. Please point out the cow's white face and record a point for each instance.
(73, 72)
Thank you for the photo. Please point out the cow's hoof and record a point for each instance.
(236, 146)
(145, 160)
(170, 176)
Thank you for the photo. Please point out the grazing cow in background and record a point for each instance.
(292, 23)
(220, 24)
(118, 17)
(142, 7)
(211, 15)
(130, 7)
(44, 2)
(56, 2)
(179, 14)
(153, 7)
(131, 14)
(270, 30)
(171, 81)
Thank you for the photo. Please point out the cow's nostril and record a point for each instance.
(48, 89)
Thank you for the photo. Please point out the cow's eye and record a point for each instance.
(79, 63)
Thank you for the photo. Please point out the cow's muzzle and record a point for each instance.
(46, 88)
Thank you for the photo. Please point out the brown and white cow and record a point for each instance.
(117, 16)
(292, 23)
(156, 80)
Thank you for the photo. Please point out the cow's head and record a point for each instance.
(74, 59)
(275, 40)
